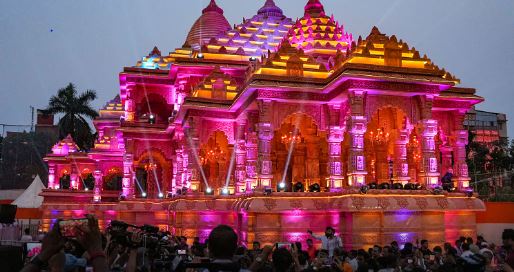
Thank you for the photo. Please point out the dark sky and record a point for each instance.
(92, 40)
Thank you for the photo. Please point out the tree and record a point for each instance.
(77, 110)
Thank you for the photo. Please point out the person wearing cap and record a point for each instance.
(71, 262)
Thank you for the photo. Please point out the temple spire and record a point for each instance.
(314, 8)
(270, 9)
(213, 7)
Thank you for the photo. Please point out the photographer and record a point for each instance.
(51, 255)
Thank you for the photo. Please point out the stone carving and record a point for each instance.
(383, 203)
(270, 203)
(443, 203)
(358, 202)
(402, 202)
(421, 202)
(295, 204)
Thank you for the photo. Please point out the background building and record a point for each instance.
(487, 127)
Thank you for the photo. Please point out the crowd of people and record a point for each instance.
(125, 247)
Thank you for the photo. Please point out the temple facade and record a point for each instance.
(271, 103)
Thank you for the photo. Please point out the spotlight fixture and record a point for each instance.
(448, 187)
(364, 189)
(151, 119)
(373, 186)
(281, 187)
(314, 188)
(438, 190)
(225, 191)
(298, 187)
(122, 197)
(384, 185)
(143, 194)
(169, 195)
(469, 193)
(397, 186)
(200, 56)
(161, 195)
(267, 191)
(253, 58)
(86, 189)
(209, 191)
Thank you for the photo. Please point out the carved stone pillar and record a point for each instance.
(130, 107)
(97, 190)
(461, 166)
(179, 164)
(335, 165)
(51, 177)
(251, 161)
(193, 175)
(240, 149)
(356, 161)
(430, 174)
(401, 165)
(128, 176)
(265, 135)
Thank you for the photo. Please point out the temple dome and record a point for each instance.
(209, 25)
(314, 8)
(270, 9)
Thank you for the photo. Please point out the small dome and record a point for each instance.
(271, 10)
(210, 24)
(314, 8)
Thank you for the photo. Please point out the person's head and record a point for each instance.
(424, 244)
(474, 248)
(377, 250)
(256, 245)
(508, 238)
(329, 232)
(120, 248)
(196, 240)
(458, 243)
(240, 250)
(309, 243)
(480, 239)
(469, 240)
(222, 242)
(408, 246)
(282, 260)
(386, 250)
(298, 246)
(462, 239)
(27, 231)
(465, 247)
(183, 240)
(438, 250)
(394, 245)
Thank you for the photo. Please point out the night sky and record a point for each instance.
(46, 44)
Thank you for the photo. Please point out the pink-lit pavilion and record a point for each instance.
(194, 137)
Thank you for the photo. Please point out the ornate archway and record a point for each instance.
(152, 174)
(215, 155)
(386, 142)
(299, 152)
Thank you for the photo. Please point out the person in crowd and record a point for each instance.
(51, 252)
(424, 248)
(311, 249)
(26, 237)
(506, 258)
(329, 241)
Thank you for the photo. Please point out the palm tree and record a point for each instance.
(76, 109)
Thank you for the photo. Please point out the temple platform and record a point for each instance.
(362, 220)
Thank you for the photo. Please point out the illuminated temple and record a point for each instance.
(242, 123)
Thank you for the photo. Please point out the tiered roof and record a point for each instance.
(154, 60)
(382, 50)
(319, 35)
(113, 108)
(65, 146)
(218, 86)
(291, 62)
(255, 36)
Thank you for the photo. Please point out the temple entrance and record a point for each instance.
(151, 177)
(299, 153)
(386, 141)
(215, 156)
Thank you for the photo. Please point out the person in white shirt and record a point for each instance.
(26, 237)
(329, 242)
